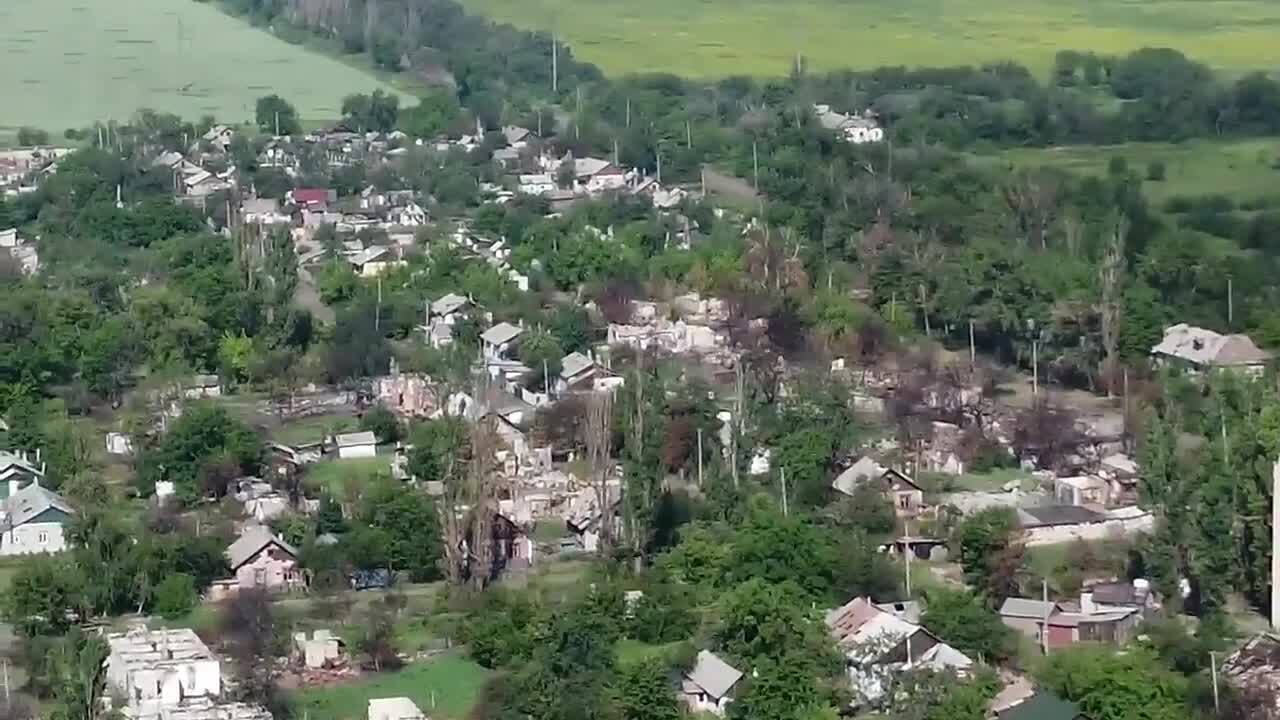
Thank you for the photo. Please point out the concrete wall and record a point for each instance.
(358, 451)
(1102, 530)
(1026, 626)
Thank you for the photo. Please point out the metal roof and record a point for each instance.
(251, 542)
(1027, 608)
(715, 676)
(356, 438)
(501, 333)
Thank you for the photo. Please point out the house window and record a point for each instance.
(904, 502)
(43, 537)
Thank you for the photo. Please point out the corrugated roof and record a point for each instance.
(447, 304)
(715, 676)
(501, 333)
(573, 364)
(1027, 608)
(1057, 515)
(1206, 347)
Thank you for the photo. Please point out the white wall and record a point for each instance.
(33, 538)
(1113, 528)
(358, 451)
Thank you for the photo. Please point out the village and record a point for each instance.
(1075, 484)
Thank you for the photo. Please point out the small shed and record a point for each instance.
(357, 445)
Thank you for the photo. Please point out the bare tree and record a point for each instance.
(483, 475)
(598, 440)
(1111, 271)
(1033, 197)
(248, 633)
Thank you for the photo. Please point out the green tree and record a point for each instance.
(194, 445)
(985, 538)
(382, 423)
(645, 693)
(175, 596)
(968, 624)
(1116, 686)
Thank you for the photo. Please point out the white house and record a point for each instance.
(593, 175)
(856, 129)
(498, 340)
(410, 215)
(357, 445)
(33, 520)
(537, 184)
(160, 670)
(263, 211)
(708, 686)
(1196, 350)
(119, 443)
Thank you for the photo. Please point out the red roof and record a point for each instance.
(310, 196)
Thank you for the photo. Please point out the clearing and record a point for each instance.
(446, 686)
(761, 37)
(1242, 169)
(76, 63)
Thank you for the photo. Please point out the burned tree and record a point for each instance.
(1047, 433)
(599, 440)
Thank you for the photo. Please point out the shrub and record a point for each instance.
(175, 596)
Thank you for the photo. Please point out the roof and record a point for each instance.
(1043, 706)
(307, 196)
(864, 469)
(501, 333)
(8, 460)
(356, 438)
(31, 501)
(394, 708)
(713, 675)
(1120, 463)
(844, 621)
(1119, 593)
(588, 166)
(368, 255)
(1082, 482)
(574, 364)
(168, 159)
(251, 542)
(1057, 515)
(260, 206)
(448, 304)
(504, 154)
(515, 133)
(1208, 348)
(1027, 608)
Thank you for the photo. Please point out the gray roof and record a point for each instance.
(501, 333)
(1025, 608)
(1057, 515)
(573, 364)
(356, 438)
(449, 303)
(251, 542)
(260, 206)
(715, 676)
(32, 500)
(368, 255)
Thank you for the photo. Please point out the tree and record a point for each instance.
(377, 641)
(984, 539)
(382, 423)
(248, 630)
(968, 625)
(31, 137)
(541, 352)
(645, 693)
(1116, 686)
(205, 438)
(276, 116)
(377, 112)
(175, 596)
(434, 114)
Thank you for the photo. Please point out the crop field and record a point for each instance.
(763, 37)
(69, 63)
(1243, 169)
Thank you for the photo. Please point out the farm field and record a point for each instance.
(762, 37)
(69, 63)
(1243, 169)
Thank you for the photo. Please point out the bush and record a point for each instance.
(176, 596)
(382, 422)
(1156, 171)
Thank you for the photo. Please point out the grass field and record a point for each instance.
(452, 680)
(1243, 169)
(333, 476)
(69, 63)
(762, 37)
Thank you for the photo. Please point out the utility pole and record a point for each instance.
(377, 309)
(1275, 542)
(546, 380)
(1212, 664)
(973, 351)
(784, 492)
(555, 65)
(702, 175)
(906, 555)
(628, 111)
(1035, 367)
(1044, 630)
(615, 151)
(658, 153)
(699, 458)
(924, 310)
(737, 420)
(688, 135)
(1231, 306)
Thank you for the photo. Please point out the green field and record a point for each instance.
(1243, 169)
(762, 37)
(69, 63)
(454, 681)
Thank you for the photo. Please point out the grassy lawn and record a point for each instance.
(452, 680)
(994, 480)
(335, 475)
(633, 651)
(313, 429)
(74, 63)
(760, 37)
(1242, 169)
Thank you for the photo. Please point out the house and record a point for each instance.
(851, 128)
(33, 520)
(1116, 596)
(277, 154)
(708, 686)
(1042, 706)
(394, 708)
(518, 137)
(202, 386)
(593, 176)
(907, 497)
(203, 183)
(374, 261)
(259, 559)
(289, 459)
(220, 136)
(313, 199)
(17, 470)
(536, 184)
(356, 445)
(1029, 617)
(450, 307)
(1082, 490)
(498, 340)
(9, 238)
(263, 211)
(160, 670)
(878, 644)
(506, 157)
(322, 648)
(409, 215)
(1195, 350)
(575, 370)
(119, 443)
